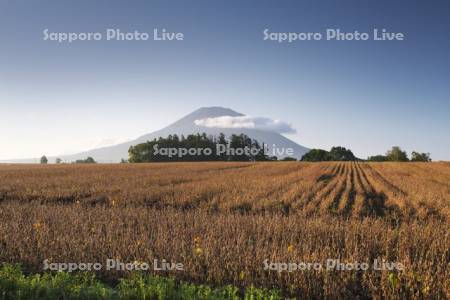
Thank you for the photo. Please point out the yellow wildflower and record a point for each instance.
(242, 275)
(137, 262)
(198, 250)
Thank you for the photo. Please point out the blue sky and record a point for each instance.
(58, 98)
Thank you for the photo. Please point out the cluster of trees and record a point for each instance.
(343, 154)
(397, 154)
(206, 149)
(335, 154)
(89, 160)
(416, 156)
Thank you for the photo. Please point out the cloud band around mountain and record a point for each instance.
(247, 122)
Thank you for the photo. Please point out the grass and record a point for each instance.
(15, 285)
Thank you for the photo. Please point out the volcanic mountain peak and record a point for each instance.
(185, 126)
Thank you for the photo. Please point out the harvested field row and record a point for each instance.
(349, 189)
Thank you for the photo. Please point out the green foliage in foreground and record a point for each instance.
(15, 285)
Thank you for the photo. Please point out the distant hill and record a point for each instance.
(185, 126)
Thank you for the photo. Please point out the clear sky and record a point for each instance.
(59, 98)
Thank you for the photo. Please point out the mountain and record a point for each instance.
(186, 126)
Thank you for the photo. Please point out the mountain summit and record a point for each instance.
(186, 126)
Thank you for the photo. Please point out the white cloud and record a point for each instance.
(246, 122)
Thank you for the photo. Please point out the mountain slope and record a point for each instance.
(186, 126)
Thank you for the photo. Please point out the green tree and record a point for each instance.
(424, 157)
(377, 158)
(240, 142)
(341, 154)
(317, 155)
(44, 160)
(140, 153)
(58, 160)
(288, 158)
(88, 160)
(336, 153)
(397, 154)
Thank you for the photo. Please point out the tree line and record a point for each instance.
(397, 154)
(89, 160)
(204, 146)
(338, 153)
(146, 152)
